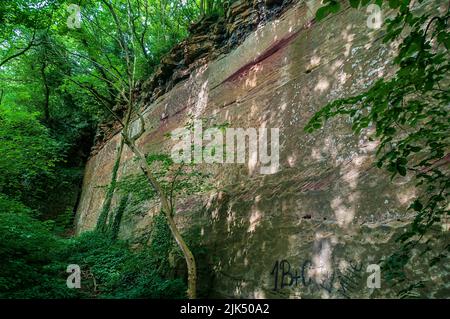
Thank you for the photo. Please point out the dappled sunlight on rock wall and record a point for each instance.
(328, 211)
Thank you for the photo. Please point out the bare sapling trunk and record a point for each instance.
(167, 209)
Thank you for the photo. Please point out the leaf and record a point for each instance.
(444, 38)
(401, 170)
(402, 161)
(322, 13)
(334, 7)
(394, 4)
(355, 3)
(416, 205)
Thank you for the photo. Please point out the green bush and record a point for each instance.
(28, 252)
(33, 262)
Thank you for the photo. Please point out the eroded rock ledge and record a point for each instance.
(209, 38)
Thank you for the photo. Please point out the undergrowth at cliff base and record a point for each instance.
(34, 262)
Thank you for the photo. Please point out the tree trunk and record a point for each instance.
(188, 256)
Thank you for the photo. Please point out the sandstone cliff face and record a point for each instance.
(310, 229)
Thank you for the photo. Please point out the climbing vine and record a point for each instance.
(103, 217)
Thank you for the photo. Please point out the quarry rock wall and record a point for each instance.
(313, 226)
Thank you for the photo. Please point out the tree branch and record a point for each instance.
(28, 47)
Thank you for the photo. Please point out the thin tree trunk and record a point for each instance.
(188, 256)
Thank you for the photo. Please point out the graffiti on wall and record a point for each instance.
(337, 281)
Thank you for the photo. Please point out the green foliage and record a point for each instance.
(103, 217)
(56, 83)
(70, 75)
(34, 261)
(116, 218)
(27, 253)
(331, 6)
(409, 113)
(176, 179)
(68, 79)
(113, 270)
(28, 152)
(211, 7)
